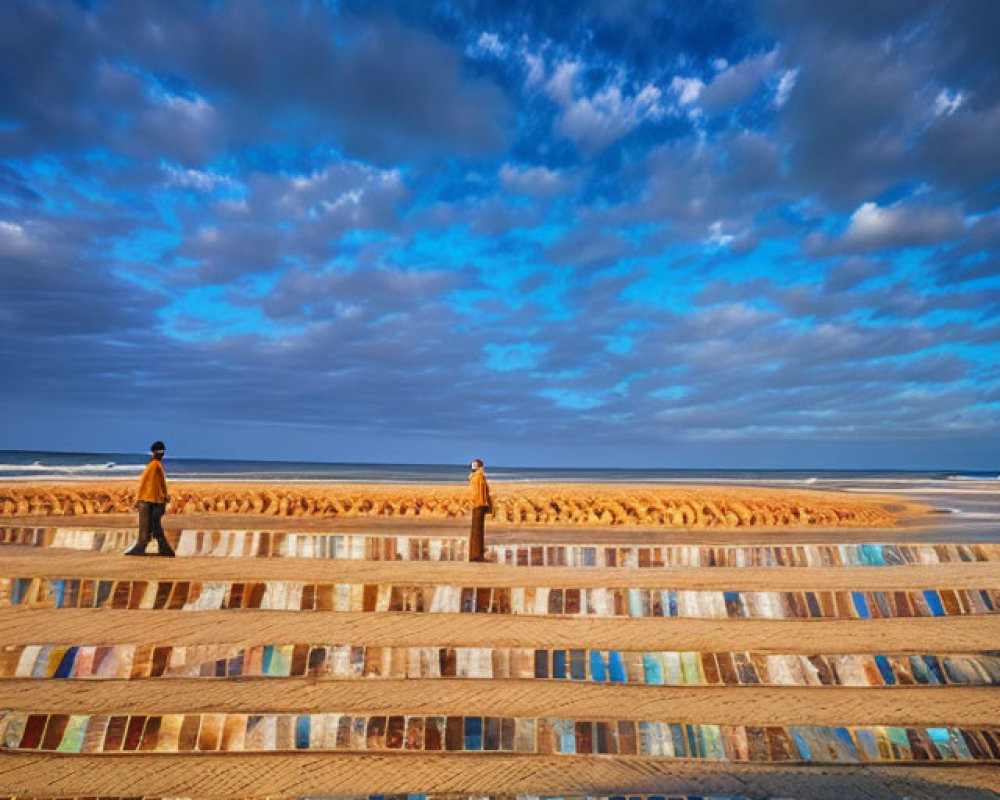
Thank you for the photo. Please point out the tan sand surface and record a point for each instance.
(303, 774)
(106, 626)
(541, 503)
(756, 705)
(28, 561)
(265, 775)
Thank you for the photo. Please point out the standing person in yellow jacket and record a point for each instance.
(481, 505)
(152, 503)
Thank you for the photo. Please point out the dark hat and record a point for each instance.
(157, 446)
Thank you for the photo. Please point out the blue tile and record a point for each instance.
(885, 670)
(934, 602)
(801, 744)
(598, 672)
(473, 733)
(844, 736)
(559, 664)
(935, 667)
(653, 669)
(65, 668)
(265, 666)
(302, 732)
(616, 666)
(860, 605)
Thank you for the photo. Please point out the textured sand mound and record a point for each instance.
(553, 504)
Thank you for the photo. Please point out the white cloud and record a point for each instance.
(947, 103)
(196, 179)
(874, 227)
(717, 237)
(539, 181)
(488, 44)
(785, 85)
(593, 122)
(687, 90)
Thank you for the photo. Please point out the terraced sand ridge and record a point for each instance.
(126, 696)
(545, 504)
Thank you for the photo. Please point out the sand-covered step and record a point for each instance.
(187, 733)
(68, 593)
(954, 706)
(19, 562)
(306, 774)
(916, 635)
(346, 546)
(350, 662)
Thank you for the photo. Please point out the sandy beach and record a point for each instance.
(630, 640)
(514, 503)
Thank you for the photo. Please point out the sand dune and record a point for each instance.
(547, 504)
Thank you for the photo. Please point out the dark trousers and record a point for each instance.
(151, 525)
(478, 534)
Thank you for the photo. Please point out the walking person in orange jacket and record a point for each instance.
(481, 505)
(152, 503)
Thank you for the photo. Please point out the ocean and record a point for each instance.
(39, 465)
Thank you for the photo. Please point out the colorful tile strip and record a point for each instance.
(281, 544)
(183, 733)
(536, 601)
(346, 662)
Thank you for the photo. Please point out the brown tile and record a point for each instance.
(727, 669)
(373, 662)
(758, 744)
(454, 733)
(324, 597)
(375, 733)
(482, 600)
(433, 733)
(163, 590)
(414, 733)
(178, 597)
(87, 594)
(254, 594)
(33, 730)
(369, 597)
(507, 730)
(234, 598)
(501, 601)
(344, 733)
(491, 733)
(161, 657)
(211, 732)
(584, 734)
(92, 739)
(133, 734)
(150, 734)
(138, 589)
(395, 732)
(115, 734)
(54, 731)
(626, 738)
(449, 662)
(572, 601)
(300, 658)
(119, 595)
(779, 744)
(710, 668)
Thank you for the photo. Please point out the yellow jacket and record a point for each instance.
(153, 483)
(480, 489)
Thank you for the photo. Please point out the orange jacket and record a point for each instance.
(153, 483)
(480, 489)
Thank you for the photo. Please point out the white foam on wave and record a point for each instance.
(71, 469)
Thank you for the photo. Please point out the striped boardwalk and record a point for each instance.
(357, 665)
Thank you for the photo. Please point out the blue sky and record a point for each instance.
(664, 234)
